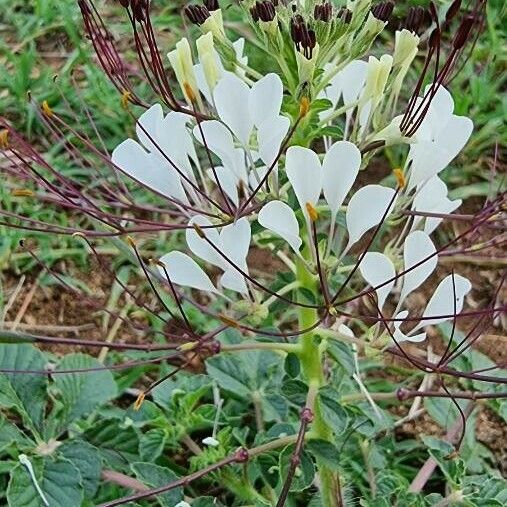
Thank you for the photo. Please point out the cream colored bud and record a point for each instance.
(270, 27)
(182, 64)
(376, 78)
(214, 24)
(405, 48)
(208, 59)
(306, 67)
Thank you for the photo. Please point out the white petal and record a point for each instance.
(231, 96)
(183, 270)
(233, 280)
(150, 121)
(148, 169)
(345, 330)
(270, 136)
(442, 103)
(235, 239)
(366, 209)
(431, 197)
(352, 78)
(202, 248)
(442, 301)
(446, 207)
(266, 99)
(279, 218)
(339, 171)
(218, 139)
(304, 171)
(228, 181)
(376, 268)
(432, 156)
(418, 246)
(400, 336)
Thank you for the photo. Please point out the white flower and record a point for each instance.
(441, 136)
(335, 177)
(217, 248)
(164, 155)
(243, 110)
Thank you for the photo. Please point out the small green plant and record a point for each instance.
(289, 407)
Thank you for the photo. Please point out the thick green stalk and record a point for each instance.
(311, 364)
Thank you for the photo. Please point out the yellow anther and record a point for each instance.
(332, 310)
(229, 321)
(185, 347)
(4, 139)
(156, 262)
(312, 211)
(139, 401)
(125, 99)
(189, 92)
(131, 242)
(198, 230)
(46, 109)
(22, 192)
(304, 107)
(400, 177)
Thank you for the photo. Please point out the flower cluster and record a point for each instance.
(245, 161)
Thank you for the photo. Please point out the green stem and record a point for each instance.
(311, 365)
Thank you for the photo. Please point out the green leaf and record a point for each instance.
(81, 393)
(117, 445)
(87, 460)
(10, 434)
(292, 366)
(151, 444)
(59, 480)
(295, 391)
(246, 372)
(342, 354)
(156, 476)
(23, 392)
(325, 451)
(305, 471)
(333, 412)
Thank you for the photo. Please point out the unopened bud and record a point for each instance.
(131, 242)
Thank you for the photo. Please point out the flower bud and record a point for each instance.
(214, 24)
(405, 48)
(181, 62)
(207, 57)
(376, 77)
